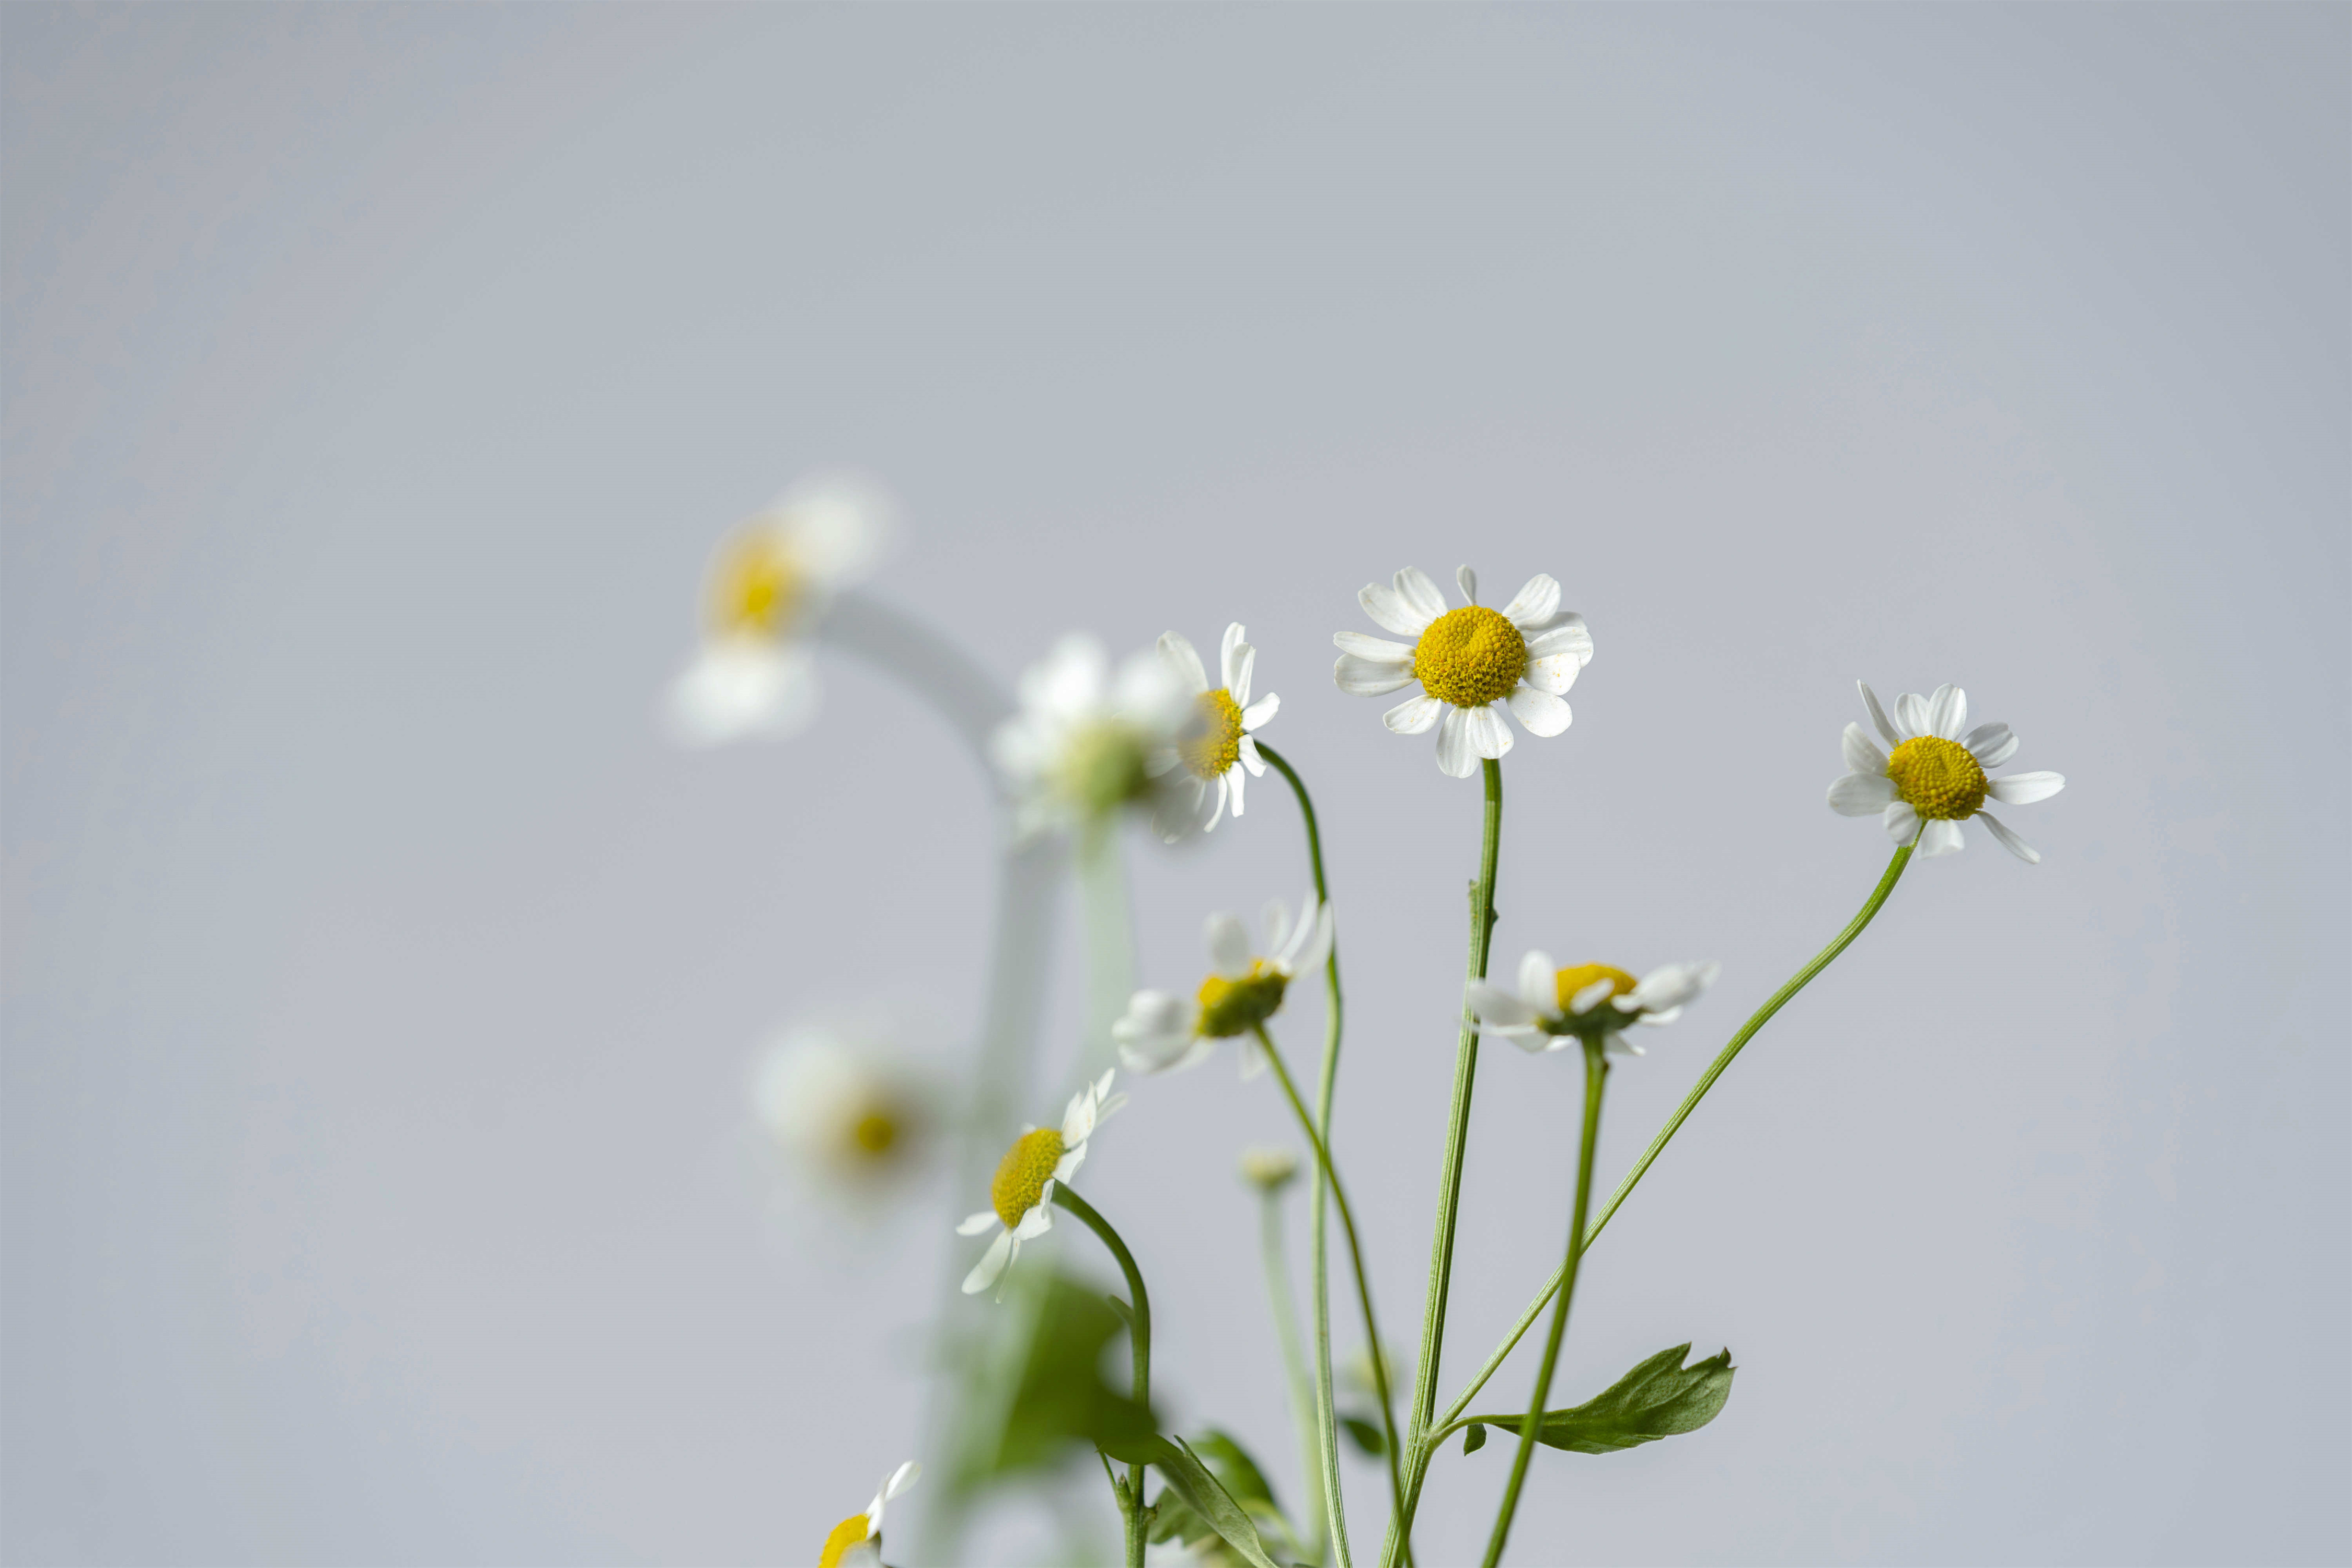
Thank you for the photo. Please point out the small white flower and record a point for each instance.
(769, 582)
(1472, 663)
(856, 1541)
(1161, 1032)
(1022, 1195)
(1215, 749)
(1267, 1168)
(1931, 773)
(1084, 740)
(848, 1116)
(1553, 1005)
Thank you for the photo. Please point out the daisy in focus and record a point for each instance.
(1932, 778)
(1472, 663)
(769, 582)
(1021, 1198)
(1161, 1032)
(1086, 740)
(1214, 748)
(856, 1541)
(1587, 1001)
(852, 1120)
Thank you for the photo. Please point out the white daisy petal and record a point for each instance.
(1275, 923)
(1539, 981)
(1861, 794)
(1911, 714)
(1543, 714)
(991, 1263)
(1378, 650)
(1184, 660)
(1231, 670)
(1877, 714)
(2009, 841)
(1255, 715)
(1316, 947)
(1554, 673)
(1489, 736)
(1245, 666)
(1659, 1020)
(1414, 586)
(1467, 581)
(1493, 1007)
(1991, 744)
(1414, 715)
(974, 1225)
(1530, 1040)
(1246, 751)
(1362, 678)
(1668, 987)
(1861, 756)
(1229, 947)
(1231, 784)
(1941, 836)
(1535, 603)
(1455, 756)
(1038, 1220)
(1567, 634)
(1902, 823)
(1617, 1042)
(743, 688)
(2024, 789)
(1947, 711)
(1389, 609)
(1588, 997)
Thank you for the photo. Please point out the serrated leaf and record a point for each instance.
(1205, 1497)
(1474, 1437)
(1659, 1398)
(1365, 1435)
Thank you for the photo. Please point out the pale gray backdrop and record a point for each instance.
(379, 987)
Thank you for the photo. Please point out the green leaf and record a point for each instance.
(1474, 1437)
(1232, 1465)
(1057, 1396)
(1657, 1399)
(1366, 1435)
(1205, 1497)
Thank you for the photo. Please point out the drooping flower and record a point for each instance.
(1021, 1198)
(1932, 778)
(1472, 662)
(850, 1117)
(1554, 1007)
(769, 582)
(1161, 1032)
(856, 1541)
(1085, 741)
(1214, 748)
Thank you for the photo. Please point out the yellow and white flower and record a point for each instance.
(1268, 1167)
(769, 582)
(1932, 778)
(1554, 1007)
(1215, 749)
(1086, 740)
(1472, 663)
(1021, 1198)
(1161, 1032)
(856, 1541)
(851, 1118)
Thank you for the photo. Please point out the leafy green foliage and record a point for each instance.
(1474, 1437)
(1195, 1504)
(1053, 1393)
(1657, 1399)
(1365, 1434)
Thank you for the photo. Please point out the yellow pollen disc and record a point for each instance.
(1022, 1174)
(1213, 742)
(1577, 976)
(1938, 777)
(849, 1532)
(754, 586)
(873, 1133)
(1230, 1008)
(1470, 656)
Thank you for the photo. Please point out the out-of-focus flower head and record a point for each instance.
(1215, 749)
(1089, 741)
(1596, 1002)
(851, 1118)
(1269, 1169)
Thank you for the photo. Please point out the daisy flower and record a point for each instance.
(856, 1541)
(1472, 663)
(1931, 773)
(1160, 1031)
(769, 585)
(1022, 1195)
(1585, 1001)
(1086, 739)
(1215, 748)
(852, 1120)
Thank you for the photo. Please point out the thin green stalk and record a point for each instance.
(1355, 1257)
(1319, 1241)
(1138, 1338)
(1276, 1259)
(1596, 1077)
(1690, 1101)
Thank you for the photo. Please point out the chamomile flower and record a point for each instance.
(1021, 1198)
(852, 1122)
(1086, 740)
(1932, 778)
(1554, 1007)
(1159, 1031)
(1472, 663)
(1215, 749)
(769, 582)
(1269, 1168)
(856, 1541)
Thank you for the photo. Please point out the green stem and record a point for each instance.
(1319, 1241)
(1690, 1101)
(1355, 1257)
(1596, 1077)
(1276, 1259)
(1139, 1337)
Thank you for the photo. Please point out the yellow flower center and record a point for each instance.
(1938, 777)
(849, 1532)
(1102, 767)
(1577, 976)
(1470, 656)
(755, 589)
(1230, 1008)
(1022, 1174)
(873, 1133)
(1213, 742)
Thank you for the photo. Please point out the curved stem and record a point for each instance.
(1596, 1077)
(1138, 1338)
(1276, 1259)
(1319, 1241)
(1682, 1113)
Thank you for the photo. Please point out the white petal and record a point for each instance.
(1414, 715)
(1078, 1118)
(1668, 987)
(1528, 1038)
(1660, 1020)
(1230, 783)
(1569, 634)
(2009, 841)
(1038, 1220)
(905, 1476)
(1275, 922)
(1535, 603)
(1230, 666)
(1941, 836)
(1588, 997)
(1229, 946)
(1489, 736)
(1861, 794)
(1362, 678)
(1877, 714)
(1554, 673)
(1455, 757)
(992, 1264)
(2024, 789)
(1493, 1007)
(1911, 714)
(1902, 823)
(1253, 1057)
(1184, 660)
(1244, 665)
(1543, 714)
(1414, 586)
(838, 525)
(1255, 716)
(1246, 751)
(1947, 711)
(1539, 980)
(974, 1225)
(1314, 943)
(1861, 756)
(1991, 744)
(1390, 609)
(1378, 651)
(1616, 1041)
(743, 688)
(1467, 581)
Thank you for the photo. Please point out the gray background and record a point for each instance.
(380, 990)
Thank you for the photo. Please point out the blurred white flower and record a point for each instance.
(1269, 1169)
(1085, 741)
(1472, 663)
(1022, 1195)
(856, 1541)
(769, 583)
(851, 1120)
(1553, 1005)
(1161, 1032)
(1932, 775)
(1214, 748)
